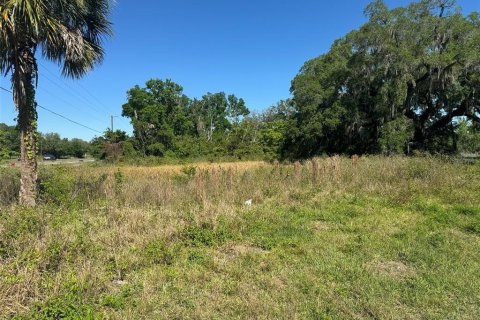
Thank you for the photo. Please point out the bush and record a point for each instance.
(206, 235)
(158, 252)
(22, 223)
(55, 186)
(9, 186)
(70, 305)
(189, 171)
(468, 138)
(58, 186)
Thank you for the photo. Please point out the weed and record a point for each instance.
(189, 171)
(117, 300)
(473, 228)
(467, 211)
(53, 256)
(9, 186)
(119, 178)
(199, 257)
(69, 305)
(158, 252)
(205, 235)
(265, 243)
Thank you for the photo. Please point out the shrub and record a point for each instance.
(59, 186)
(56, 185)
(205, 235)
(16, 225)
(468, 137)
(9, 186)
(68, 304)
(189, 171)
(158, 252)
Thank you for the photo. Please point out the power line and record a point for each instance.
(73, 121)
(100, 103)
(68, 103)
(82, 96)
(58, 114)
(87, 103)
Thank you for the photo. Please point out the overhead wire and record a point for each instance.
(81, 95)
(73, 90)
(58, 114)
(71, 105)
(87, 103)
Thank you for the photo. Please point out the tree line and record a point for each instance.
(408, 80)
(48, 143)
(167, 123)
(405, 81)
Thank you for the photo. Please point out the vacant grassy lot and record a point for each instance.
(382, 238)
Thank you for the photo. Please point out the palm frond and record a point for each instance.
(69, 32)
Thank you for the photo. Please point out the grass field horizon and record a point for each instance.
(328, 238)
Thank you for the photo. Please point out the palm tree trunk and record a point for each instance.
(24, 97)
(27, 124)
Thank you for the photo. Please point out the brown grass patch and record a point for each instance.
(243, 249)
(395, 269)
(321, 226)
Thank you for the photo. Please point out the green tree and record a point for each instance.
(211, 112)
(325, 116)
(78, 148)
(65, 31)
(168, 123)
(236, 109)
(468, 137)
(110, 140)
(51, 143)
(9, 141)
(395, 135)
(217, 113)
(158, 113)
(275, 125)
(115, 136)
(419, 62)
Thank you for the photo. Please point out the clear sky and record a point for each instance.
(252, 48)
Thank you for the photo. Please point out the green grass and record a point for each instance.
(391, 239)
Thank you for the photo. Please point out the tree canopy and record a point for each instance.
(168, 123)
(417, 65)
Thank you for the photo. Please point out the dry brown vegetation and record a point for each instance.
(332, 237)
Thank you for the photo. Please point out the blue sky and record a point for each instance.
(252, 48)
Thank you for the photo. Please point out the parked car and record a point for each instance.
(49, 157)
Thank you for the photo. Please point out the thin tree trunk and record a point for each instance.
(24, 97)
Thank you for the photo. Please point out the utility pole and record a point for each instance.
(112, 138)
(111, 121)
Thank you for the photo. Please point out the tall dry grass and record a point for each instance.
(100, 223)
(233, 183)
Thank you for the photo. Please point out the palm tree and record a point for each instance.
(69, 32)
